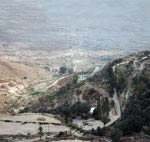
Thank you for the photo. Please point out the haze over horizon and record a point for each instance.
(75, 70)
(104, 24)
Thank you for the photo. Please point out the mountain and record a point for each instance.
(111, 102)
(112, 87)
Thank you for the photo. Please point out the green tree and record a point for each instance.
(75, 78)
(91, 91)
(68, 119)
(63, 70)
(40, 132)
(105, 120)
(116, 135)
(136, 114)
(121, 82)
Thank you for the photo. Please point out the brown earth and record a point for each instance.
(14, 70)
(15, 82)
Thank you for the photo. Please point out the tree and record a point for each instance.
(101, 112)
(112, 104)
(136, 114)
(68, 118)
(116, 135)
(121, 82)
(63, 70)
(40, 132)
(91, 91)
(98, 111)
(75, 78)
(70, 70)
(105, 120)
(100, 131)
(105, 106)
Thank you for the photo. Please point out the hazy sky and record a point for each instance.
(120, 24)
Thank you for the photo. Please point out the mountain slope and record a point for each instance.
(112, 87)
(15, 83)
(14, 70)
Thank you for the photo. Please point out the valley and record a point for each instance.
(24, 95)
(24, 71)
(50, 105)
(73, 71)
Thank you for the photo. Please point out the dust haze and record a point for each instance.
(61, 24)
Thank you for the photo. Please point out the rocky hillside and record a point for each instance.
(112, 86)
(15, 83)
(113, 102)
(14, 70)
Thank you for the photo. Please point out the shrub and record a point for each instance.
(91, 91)
(34, 94)
(47, 69)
